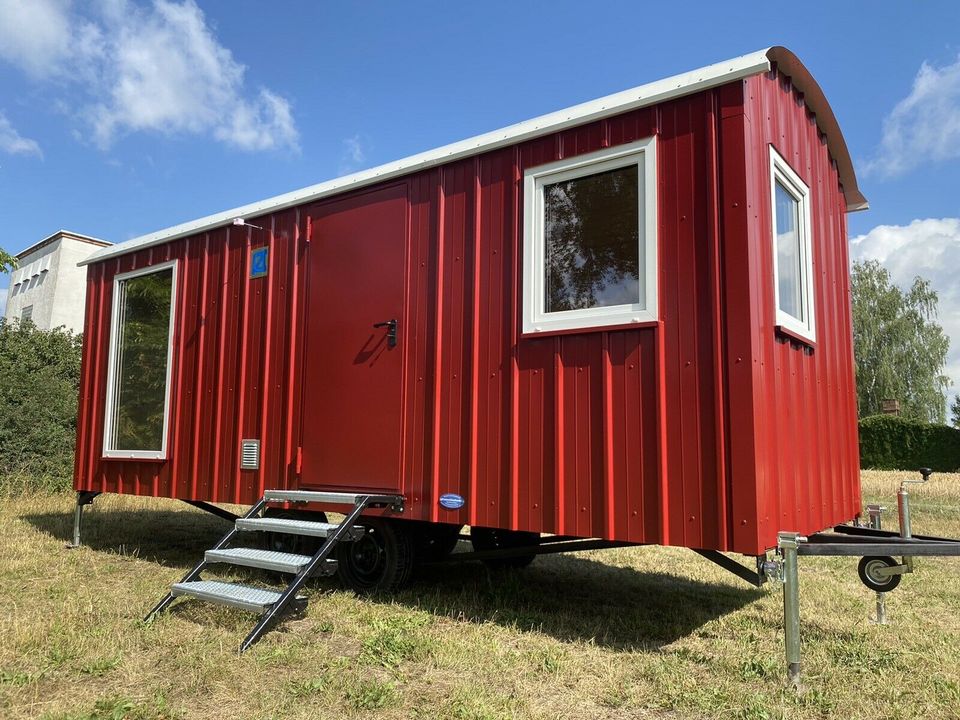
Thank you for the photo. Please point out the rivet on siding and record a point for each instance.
(535, 506)
(634, 513)
(583, 509)
(631, 366)
(692, 518)
(743, 522)
(454, 376)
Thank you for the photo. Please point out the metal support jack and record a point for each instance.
(878, 570)
(787, 544)
(84, 497)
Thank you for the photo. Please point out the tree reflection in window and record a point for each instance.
(591, 234)
(141, 363)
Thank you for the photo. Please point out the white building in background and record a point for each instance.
(47, 287)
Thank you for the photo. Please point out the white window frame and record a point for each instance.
(642, 154)
(108, 428)
(780, 171)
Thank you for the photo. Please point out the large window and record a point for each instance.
(138, 385)
(792, 249)
(590, 240)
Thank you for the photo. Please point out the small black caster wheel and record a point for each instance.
(867, 569)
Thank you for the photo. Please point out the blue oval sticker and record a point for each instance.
(451, 501)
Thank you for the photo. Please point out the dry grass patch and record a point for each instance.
(627, 633)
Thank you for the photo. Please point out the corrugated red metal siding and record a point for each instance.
(796, 413)
(235, 361)
(656, 434)
(609, 434)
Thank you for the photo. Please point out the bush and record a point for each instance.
(39, 384)
(889, 442)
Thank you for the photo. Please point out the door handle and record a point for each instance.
(391, 326)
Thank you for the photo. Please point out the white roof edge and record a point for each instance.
(641, 96)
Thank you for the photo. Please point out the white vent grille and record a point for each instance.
(249, 454)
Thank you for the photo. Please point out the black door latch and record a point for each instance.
(391, 326)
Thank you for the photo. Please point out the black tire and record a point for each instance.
(497, 539)
(298, 544)
(434, 541)
(867, 567)
(380, 561)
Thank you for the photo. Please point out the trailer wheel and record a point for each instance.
(380, 561)
(867, 569)
(497, 539)
(297, 544)
(434, 541)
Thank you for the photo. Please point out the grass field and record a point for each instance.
(630, 633)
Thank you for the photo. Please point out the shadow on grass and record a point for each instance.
(572, 598)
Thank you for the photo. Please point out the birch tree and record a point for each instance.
(899, 348)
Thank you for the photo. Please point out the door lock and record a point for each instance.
(391, 326)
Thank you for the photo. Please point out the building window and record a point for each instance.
(792, 249)
(590, 240)
(26, 314)
(138, 385)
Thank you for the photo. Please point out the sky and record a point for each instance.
(122, 117)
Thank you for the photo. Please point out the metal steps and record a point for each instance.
(242, 597)
(271, 603)
(296, 527)
(263, 559)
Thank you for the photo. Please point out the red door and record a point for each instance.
(353, 370)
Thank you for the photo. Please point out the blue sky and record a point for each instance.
(118, 118)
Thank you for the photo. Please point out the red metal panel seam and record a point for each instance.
(201, 356)
(239, 429)
(299, 251)
(267, 350)
(716, 291)
(608, 458)
(98, 366)
(219, 383)
(405, 358)
(475, 344)
(514, 358)
(560, 460)
(438, 350)
(84, 403)
(174, 449)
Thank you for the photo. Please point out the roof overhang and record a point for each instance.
(62, 234)
(621, 102)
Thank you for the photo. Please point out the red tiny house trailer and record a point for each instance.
(708, 428)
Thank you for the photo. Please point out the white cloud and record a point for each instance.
(13, 142)
(156, 68)
(931, 249)
(923, 127)
(354, 154)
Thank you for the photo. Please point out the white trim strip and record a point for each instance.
(638, 97)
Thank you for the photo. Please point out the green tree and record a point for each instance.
(39, 384)
(7, 261)
(899, 348)
(955, 411)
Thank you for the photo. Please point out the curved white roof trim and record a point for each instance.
(790, 65)
(638, 97)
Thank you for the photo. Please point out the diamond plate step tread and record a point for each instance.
(263, 559)
(243, 597)
(296, 527)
